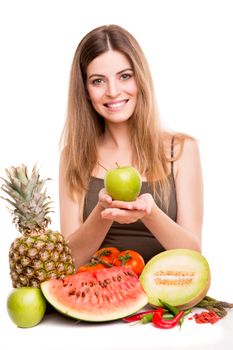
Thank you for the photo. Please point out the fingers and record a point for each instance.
(148, 200)
(107, 201)
(135, 205)
(104, 198)
(122, 216)
(143, 203)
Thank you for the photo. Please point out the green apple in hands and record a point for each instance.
(123, 183)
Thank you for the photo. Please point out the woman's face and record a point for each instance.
(111, 86)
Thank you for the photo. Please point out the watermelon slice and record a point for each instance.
(101, 295)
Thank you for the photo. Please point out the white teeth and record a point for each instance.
(115, 105)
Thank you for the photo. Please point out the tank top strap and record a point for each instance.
(172, 155)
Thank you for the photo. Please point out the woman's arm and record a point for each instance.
(186, 232)
(84, 238)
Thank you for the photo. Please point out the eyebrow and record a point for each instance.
(102, 76)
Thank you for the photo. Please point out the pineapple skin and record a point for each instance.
(38, 257)
(39, 253)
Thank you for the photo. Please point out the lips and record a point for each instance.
(116, 104)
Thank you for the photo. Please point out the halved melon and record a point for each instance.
(101, 295)
(181, 277)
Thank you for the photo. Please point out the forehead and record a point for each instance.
(109, 62)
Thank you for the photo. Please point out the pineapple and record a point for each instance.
(39, 253)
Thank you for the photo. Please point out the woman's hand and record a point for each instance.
(125, 212)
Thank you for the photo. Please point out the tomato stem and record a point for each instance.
(124, 259)
(96, 258)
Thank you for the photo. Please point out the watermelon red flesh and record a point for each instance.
(101, 295)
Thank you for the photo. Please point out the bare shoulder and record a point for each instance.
(190, 148)
(189, 157)
(178, 143)
(181, 144)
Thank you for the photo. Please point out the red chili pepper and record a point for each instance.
(159, 322)
(138, 316)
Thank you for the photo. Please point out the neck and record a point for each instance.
(117, 136)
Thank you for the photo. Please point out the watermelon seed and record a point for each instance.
(71, 292)
(130, 274)
(65, 284)
(102, 284)
(107, 281)
(107, 298)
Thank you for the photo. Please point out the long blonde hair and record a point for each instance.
(84, 126)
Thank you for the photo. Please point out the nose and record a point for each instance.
(113, 88)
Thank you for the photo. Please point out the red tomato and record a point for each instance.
(131, 259)
(108, 254)
(93, 266)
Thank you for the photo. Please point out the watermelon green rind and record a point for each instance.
(181, 277)
(98, 296)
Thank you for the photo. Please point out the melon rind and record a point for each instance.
(181, 277)
(123, 301)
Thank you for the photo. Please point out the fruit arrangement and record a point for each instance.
(109, 293)
(114, 284)
(39, 253)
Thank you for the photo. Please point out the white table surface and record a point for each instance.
(57, 332)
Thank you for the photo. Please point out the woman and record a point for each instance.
(111, 118)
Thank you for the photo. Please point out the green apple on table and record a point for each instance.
(123, 183)
(26, 306)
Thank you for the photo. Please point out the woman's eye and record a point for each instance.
(126, 76)
(97, 81)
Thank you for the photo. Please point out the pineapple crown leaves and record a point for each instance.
(31, 205)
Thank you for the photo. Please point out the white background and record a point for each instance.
(189, 47)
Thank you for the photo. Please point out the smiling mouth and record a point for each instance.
(116, 105)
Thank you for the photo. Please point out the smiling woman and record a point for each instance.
(112, 118)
